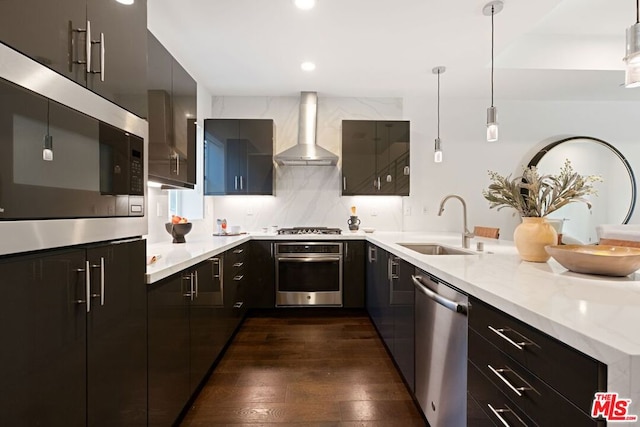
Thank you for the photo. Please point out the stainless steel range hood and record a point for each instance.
(306, 151)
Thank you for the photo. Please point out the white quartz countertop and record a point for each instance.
(599, 316)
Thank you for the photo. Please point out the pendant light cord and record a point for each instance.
(638, 12)
(492, 31)
(438, 104)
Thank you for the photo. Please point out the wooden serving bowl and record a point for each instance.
(605, 260)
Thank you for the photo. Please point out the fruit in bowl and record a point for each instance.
(175, 219)
(178, 230)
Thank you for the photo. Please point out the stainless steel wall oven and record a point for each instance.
(72, 164)
(309, 273)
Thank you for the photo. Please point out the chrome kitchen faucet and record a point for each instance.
(466, 234)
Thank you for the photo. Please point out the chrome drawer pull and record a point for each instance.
(238, 251)
(499, 332)
(498, 373)
(497, 413)
(238, 264)
(238, 305)
(238, 278)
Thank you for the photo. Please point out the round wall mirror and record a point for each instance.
(616, 196)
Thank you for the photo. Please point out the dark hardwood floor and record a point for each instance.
(312, 367)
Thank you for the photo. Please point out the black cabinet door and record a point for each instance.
(402, 304)
(258, 134)
(392, 156)
(375, 157)
(354, 274)
(236, 166)
(43, 30)
(168, 346)
(262, 275)
(43, 333)
(118, 55)
(172, 95)
(217, 132)
(160, 62)
(359, 157)
(378, 292)
(206, 317)
(183, 94)
(116, 335)
(239, 156)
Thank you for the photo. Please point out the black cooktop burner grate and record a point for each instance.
(310, 230)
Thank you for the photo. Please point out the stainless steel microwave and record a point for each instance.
(72, 164)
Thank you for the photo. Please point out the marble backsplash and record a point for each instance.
(306, 195)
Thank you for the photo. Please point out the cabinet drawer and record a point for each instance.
(485, 404)
(542, 403)
(574, 374)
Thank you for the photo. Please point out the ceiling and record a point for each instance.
(544, 49)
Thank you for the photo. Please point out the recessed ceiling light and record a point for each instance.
(127, 2)
(308, 66)
(304, 4)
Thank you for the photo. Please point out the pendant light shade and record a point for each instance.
(632, 57)
(491, 9)
(437, 149)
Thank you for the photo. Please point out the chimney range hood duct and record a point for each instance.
(306, 152)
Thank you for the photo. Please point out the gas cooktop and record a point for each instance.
(309, 230)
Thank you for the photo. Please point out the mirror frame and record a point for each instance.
(540, 154)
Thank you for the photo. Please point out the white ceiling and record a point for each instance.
(544, 49)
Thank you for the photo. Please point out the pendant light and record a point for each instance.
(492, 8)
(632, 58)
(437, 151)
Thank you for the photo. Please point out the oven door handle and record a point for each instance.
(308, 259)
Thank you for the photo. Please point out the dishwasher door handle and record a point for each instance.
(451, 305)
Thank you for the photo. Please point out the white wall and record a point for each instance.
(524, 127)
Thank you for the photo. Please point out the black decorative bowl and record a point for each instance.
(178, 231)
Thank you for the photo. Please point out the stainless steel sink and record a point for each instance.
(434, 249)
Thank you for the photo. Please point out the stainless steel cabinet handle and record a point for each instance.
(497, 413)
(101, 43)
(238, 278)
(236, 182)
(500, 332)
(451, 305)
(82, 270)
(378, 183)
(238, 264)
(87, 46)
(216, 261)
(241, 183)
(190, 293)
(238, 251)
(101, 267)
(238, 304)
(372, 254)
(498, 373)
(71, 46)
(195, 279)
(87, 280)
(177, 164)
(393, 275)
(308, 259)
(344, 183)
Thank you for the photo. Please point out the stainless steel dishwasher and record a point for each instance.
(441, 351)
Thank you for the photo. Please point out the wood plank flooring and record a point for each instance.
(312, 368)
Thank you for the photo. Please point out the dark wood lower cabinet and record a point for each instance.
(262, 292)
(67, 363)
(353, 276)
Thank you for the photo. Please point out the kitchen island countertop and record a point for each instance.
(597, 315)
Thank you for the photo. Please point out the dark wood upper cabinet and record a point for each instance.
(239, 156)
(375, 157)
(55, 34)
(172, 97)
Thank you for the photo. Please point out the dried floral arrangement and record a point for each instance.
(544, 193)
